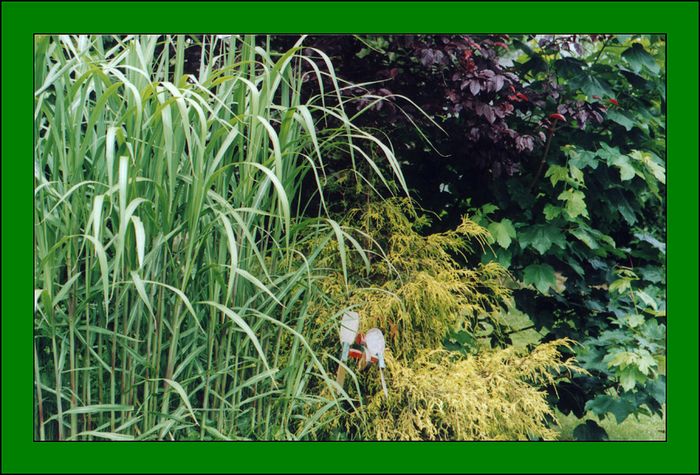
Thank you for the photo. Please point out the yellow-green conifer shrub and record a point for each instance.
(416, 290)
(441, 395)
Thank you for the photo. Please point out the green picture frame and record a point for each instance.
(20, 21)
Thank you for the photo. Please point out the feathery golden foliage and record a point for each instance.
(418, 290)
(443, 396)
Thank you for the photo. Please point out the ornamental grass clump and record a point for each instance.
(174, 268)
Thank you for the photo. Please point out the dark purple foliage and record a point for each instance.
(495, 121)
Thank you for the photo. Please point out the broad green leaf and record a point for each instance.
(650, 239)
(576, 174)
(502, 256)
(656, 388)
(488, 208)
(622, 162)
(647, 299)
(620, 286)
(557, 173)
(635, 320)
(620, 407)
(621, 359)
(652, 274)
(591, 85)
(503, 232)
(541, 276)
(646, 362)
(569, 67)
(620, 118)
(655, 167)
(638, 58)
(581, 158)
(657, 170)
(621, 204)
(608, 153)
(542, 237)
(551, 212)
(575, 204)
(629, 378)
(590, 431)
(627, 171)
